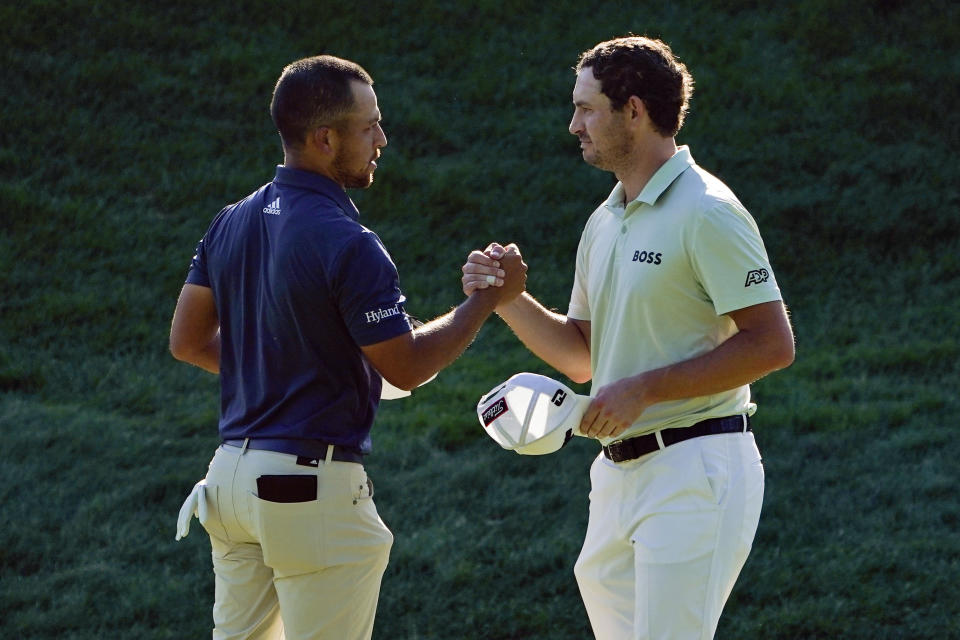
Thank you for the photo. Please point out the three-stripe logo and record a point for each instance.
(273, 208)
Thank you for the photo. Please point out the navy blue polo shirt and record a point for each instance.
(299, 286)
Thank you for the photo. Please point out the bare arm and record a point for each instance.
(763, 344)
(408, 360)
(195, 330)
(561, 342)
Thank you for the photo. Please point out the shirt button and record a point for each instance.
(623, 229)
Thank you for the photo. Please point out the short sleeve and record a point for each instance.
(197, 274)
(367, 289)
(579, 308)
(730, 259)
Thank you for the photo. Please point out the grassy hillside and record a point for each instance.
(125, 128)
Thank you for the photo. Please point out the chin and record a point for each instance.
(359, 182)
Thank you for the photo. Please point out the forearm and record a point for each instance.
(741, 360)
(552, 337)
(195, 328)
(439, 342)
(207, 357)
(762, 344)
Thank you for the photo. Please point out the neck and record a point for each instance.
(643, 164)
(303, 162)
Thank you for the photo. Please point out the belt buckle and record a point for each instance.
(613, 450)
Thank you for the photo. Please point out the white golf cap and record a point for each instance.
(532, 414)
(390, 392)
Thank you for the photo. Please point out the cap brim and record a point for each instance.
(390, 392)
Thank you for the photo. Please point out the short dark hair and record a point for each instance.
(313, 92)
(646, 68)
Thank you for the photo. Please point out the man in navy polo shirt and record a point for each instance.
(298, 307)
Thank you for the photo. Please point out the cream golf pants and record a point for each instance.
(667, 537)
(293, 570)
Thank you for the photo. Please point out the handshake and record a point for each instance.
(497, 271)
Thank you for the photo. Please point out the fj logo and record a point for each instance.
(559, 397)
(757, 276)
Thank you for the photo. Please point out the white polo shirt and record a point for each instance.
(655, 278)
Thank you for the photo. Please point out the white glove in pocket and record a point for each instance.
(194, 505)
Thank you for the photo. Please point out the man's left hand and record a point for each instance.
(614, 408)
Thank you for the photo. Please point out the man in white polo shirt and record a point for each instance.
(674, 312)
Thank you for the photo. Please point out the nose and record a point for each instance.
(381, 140)
(575, 126)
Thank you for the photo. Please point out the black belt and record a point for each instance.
(309, 450)
(631, 448)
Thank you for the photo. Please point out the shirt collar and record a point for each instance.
(658, 183)
(320, 184)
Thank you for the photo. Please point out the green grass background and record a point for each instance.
(125, 127)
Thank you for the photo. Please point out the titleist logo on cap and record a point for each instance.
(494, 411)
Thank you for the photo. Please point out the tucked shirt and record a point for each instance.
(299, 285)
(655, 278)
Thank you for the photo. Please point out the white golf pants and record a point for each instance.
(667, 537)
(293, 570)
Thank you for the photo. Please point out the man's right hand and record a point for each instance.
(498, 269)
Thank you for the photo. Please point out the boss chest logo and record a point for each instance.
(649, 257)
(494, 411)
(757, 276)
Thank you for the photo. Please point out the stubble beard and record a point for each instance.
(613, 158)
(348, 179)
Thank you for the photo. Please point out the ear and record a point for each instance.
(324, 140)
(638, 110)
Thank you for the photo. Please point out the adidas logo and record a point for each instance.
(273, 208)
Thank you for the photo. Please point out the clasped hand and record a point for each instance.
(497, 267)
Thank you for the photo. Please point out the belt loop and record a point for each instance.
(659, 440)
(329, 457)
(243, 449)
(745, 423)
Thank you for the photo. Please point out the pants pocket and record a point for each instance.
(341, 526)
(291, 535)
(212, 520)
(676, 513)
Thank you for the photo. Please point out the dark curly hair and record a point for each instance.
(646, 68)
(311, 93)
